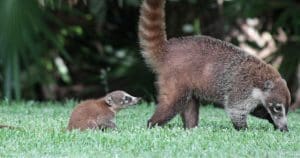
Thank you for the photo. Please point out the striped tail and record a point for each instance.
(152, 34)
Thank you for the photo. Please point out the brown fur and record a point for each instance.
(91, 114)
(99, 113)
(200, 68)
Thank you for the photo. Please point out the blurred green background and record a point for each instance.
(59, 49)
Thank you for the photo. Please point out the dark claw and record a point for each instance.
(150, 124)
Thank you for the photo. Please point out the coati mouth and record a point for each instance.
(284, 129)
(281, 124)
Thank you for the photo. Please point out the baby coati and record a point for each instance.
(198, 69)
(100, 113)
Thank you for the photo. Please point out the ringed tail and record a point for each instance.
(151, 31)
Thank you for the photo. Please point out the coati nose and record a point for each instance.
(284, 129)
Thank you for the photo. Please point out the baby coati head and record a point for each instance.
(118, 100)
(276, 98)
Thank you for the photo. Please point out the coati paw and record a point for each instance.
(240, 128)
(150, 124)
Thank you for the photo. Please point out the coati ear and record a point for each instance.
(268, 85)
(108, 100)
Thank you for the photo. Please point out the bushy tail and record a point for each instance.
(152, 33)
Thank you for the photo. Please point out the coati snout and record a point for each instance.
(100, 113)
(278, 114)
(276, 100)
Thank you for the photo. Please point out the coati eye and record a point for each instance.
(277, 108)
(128, 98)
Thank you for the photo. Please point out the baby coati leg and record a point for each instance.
(102, 125)
(190, 115)
(108, 124)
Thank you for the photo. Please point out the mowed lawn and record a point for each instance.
(43, 134)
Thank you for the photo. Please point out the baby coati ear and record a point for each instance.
(268, 85)
(108, 100)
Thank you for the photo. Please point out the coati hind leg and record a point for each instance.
(166, 110)
(171, 101)
(190, 115)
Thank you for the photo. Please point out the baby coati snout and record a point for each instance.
(120, 100)
(100, 113)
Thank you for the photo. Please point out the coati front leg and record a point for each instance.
(238, 109)
(238, 118)
(190, 115)
(238, 115)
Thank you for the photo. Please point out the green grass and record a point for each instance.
(43, 135)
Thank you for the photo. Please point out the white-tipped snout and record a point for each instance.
(136, 100)
(281, 123)
(131, 100)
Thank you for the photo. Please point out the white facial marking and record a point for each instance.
(259, 94)
(279, 105)
(283, 109)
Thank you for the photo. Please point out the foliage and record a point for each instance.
(23, 38)
(54, 49)
(43, 134)
(16, 35)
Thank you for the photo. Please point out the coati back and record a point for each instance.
(197, 69)
(100, 113)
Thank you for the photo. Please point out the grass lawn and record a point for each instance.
(43, 135)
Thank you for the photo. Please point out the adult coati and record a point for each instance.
(100, 113)
(195, 69)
